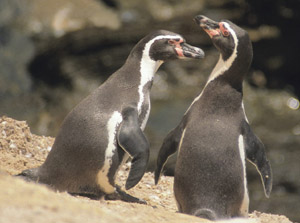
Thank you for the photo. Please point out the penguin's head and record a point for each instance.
(167, 46)
(162, 45)
(225, 35)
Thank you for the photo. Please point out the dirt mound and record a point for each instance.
(28, 202)
(19, 148)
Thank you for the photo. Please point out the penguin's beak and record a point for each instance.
(185, 51)
(211, 27)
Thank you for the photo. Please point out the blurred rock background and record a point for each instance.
(54, 53)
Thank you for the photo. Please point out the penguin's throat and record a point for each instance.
(148, 68)
(221, 67)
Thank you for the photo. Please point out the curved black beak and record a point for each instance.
(212, 28)
(185, 50)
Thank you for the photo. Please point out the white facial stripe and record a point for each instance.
(245, 203)
(149, 67)
(102, 177)
(222, 65)
(163, 37)
(226, 25)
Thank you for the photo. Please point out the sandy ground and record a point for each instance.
(29, 202)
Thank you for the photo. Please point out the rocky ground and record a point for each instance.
(27, 202)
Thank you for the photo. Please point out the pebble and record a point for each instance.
(154, 197)
(12, 146)
(28, 155)
(3, 134)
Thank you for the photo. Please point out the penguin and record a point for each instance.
(106, 128)
(214, 137)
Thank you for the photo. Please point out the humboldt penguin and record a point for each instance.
(99, 134)
(214, 138)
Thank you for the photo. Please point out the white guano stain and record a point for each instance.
(222, 65)
(102, 177)
(245, 203)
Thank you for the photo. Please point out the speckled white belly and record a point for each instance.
(102, 177)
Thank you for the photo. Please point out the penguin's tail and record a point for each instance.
(29, 175)
(211, 215)
(239, 220)
(206, 213)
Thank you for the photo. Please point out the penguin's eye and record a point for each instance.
(226, 33)
(175, 42)
(172, 42)
(224, 30)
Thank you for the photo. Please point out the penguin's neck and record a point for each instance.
(234, 68)
(226, 74)
(225, 83)
(138, 70)
(226, 80)
(229, 72)
(148, 68)
(221, 67)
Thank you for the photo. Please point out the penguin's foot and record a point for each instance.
(123, 196)
(88, 191)
(88, 195)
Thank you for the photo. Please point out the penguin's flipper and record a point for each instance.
(255, 152)
(133, 141)
(169, 147)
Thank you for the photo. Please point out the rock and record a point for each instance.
(14, 78)
(60, 17)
